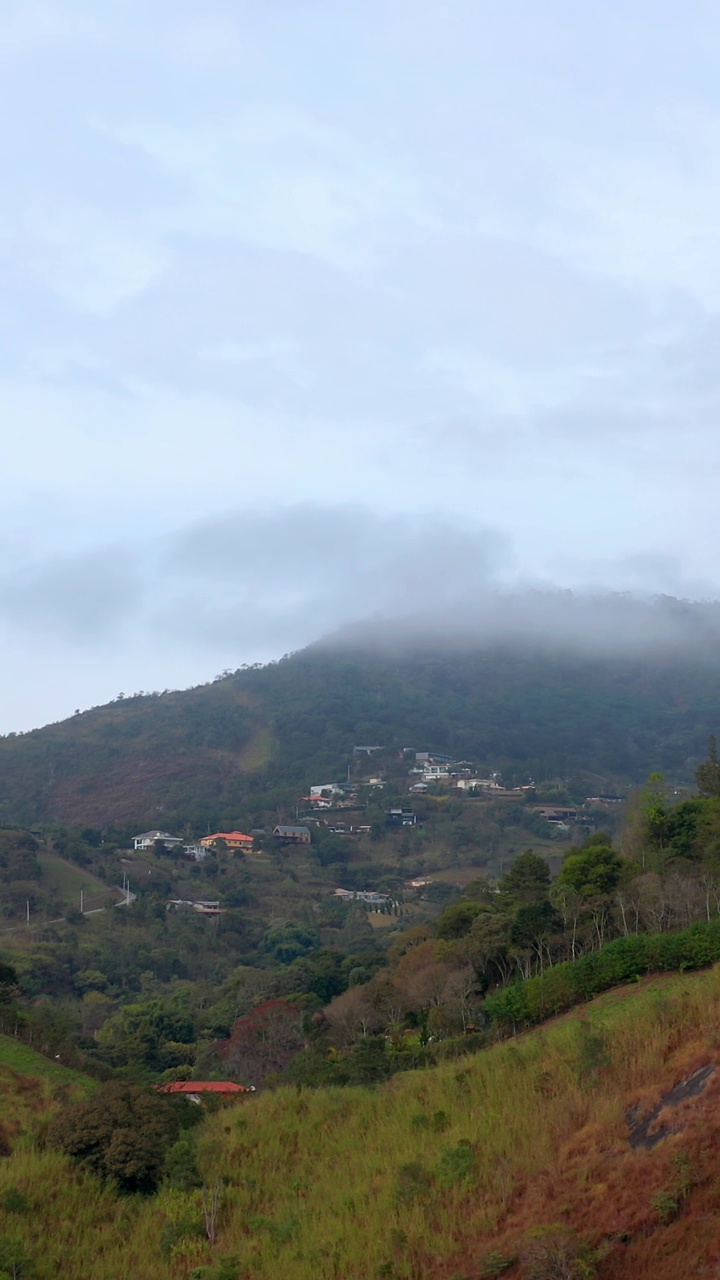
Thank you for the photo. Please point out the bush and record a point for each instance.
(493, 1265)
(122, 1132)
(525, 1003)
(15, 1201)
(457, 1164)
(413, 1180)
(557, 1253)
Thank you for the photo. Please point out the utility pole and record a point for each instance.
(82, 895)
(27, 912)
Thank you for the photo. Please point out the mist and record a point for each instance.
(252, 585)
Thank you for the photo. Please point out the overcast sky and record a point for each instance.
(312, 309)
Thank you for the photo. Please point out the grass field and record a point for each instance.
(30, 1087)
(68, 881)
(26, 1061)
(454, 1173)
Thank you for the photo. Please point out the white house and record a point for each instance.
(197, 851)
(149, 838)
(482, 784)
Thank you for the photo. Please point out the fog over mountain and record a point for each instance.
(316, 313)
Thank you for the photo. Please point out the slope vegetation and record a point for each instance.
(256, 737)
(570, 1152)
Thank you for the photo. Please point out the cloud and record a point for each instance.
(81, 599)
(256, 577)
(261, 579)
(305, 302)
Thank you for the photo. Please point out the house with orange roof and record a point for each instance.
(233, 840)
(194, 1090)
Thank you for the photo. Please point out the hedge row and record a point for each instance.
(531, 1001)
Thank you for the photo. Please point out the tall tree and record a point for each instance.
(528, 879)
(707, 774)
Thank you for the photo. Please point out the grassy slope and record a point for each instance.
(22, 1059)
(351, 1184)
(30, 1085)
(67, 880)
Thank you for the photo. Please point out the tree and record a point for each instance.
(287, 942)
(528, 879)
(122, 1132)
(14, 1261)
(487, 947)
(155, 1034)
(591, 872)
(264, 1042)
(351, 1016)
(534, 925)
(456, 921)
(655, 811)
(707, 775)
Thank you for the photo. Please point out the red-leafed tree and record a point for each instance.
(264, 1042)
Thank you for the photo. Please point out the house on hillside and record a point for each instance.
(149, 838)
(292, 835)
(555, 813)
(435, 772)
(317, 802)
(369, 896)
(233, 840)
(400, 818)
(482, 784)
(197, 851)
(196, 1090)
(202, 908)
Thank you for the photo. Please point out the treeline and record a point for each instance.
(523, 1004)
(507, 956)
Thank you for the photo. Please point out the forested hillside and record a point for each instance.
(260, 736)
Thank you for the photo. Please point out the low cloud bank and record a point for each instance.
(259, 582)
(250, 585)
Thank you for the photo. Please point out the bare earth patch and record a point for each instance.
(643, 1137)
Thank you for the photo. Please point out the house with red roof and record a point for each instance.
(233, 840)
(194, 1090)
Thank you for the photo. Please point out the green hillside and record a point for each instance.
(255, 740)
(530, 1160)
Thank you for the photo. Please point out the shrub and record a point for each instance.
(413, 1180)
(666, 1206)
(181, 1169)
(495, 1264)
(122, 1132)
(15, 1201)
(624, 960)
(557, 1253)
(14, 1260)
(457, 1164)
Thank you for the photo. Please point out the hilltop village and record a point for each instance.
(381, 798)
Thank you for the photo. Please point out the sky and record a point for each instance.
(314, 311)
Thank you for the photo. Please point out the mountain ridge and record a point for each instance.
(252, 741)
